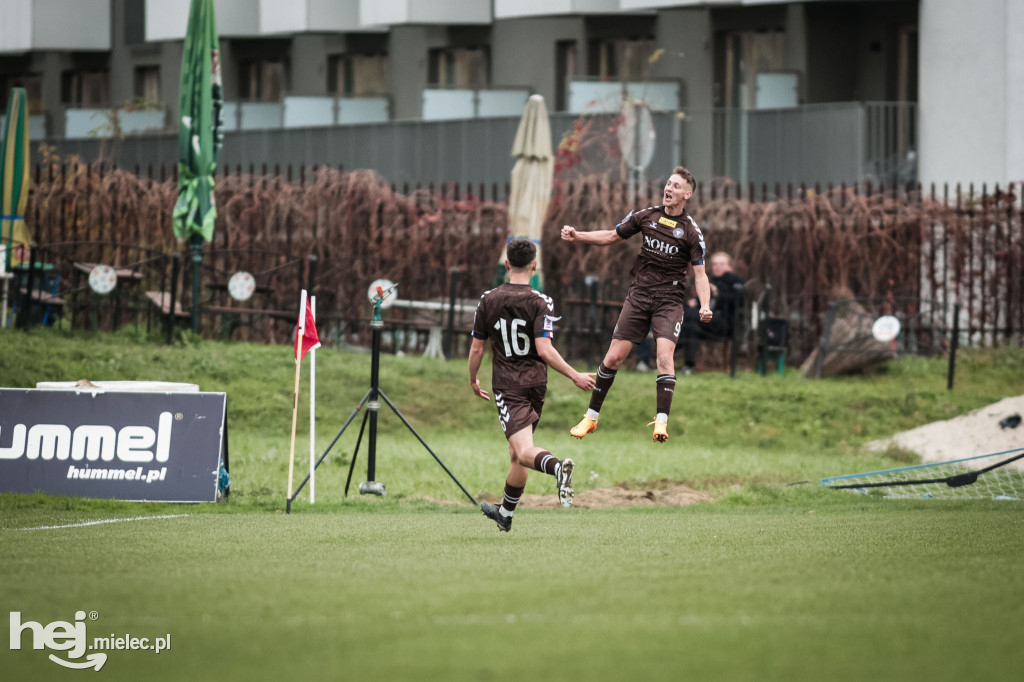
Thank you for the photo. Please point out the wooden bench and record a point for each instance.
(162, 300)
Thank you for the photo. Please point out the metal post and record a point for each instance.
(175, 273)
(374, 404)
(450, 332)
(25, 314)
(195, 243)
(953, 344)
(737, 320)
(371, 486)
(311, 274)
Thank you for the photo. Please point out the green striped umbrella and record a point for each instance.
(200, 135)
(14, 159)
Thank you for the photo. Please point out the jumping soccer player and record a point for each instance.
(519, 321)
(672, 241)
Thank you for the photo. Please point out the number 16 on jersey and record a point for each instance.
(515, 339)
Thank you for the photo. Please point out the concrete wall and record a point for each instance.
(309, 56)
(534, 68)
(407, 57)
(83, 25)
(972, 68)
(689, 31)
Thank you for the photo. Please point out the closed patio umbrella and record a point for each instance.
(200, 135)
(532, 176)
(14, 160)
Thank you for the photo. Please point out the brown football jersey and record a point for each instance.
(512, 316)
(670, 245)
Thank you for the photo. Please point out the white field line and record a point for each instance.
(95, 523)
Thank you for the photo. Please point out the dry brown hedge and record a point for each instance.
(360, 228)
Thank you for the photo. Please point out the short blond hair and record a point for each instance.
(687, 177)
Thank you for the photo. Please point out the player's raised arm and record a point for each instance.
(598, 237)
(550, 355)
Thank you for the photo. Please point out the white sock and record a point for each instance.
(558, 470)
(505, 512)
(593, 415)
(661, 417)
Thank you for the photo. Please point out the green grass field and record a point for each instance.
(768, 582)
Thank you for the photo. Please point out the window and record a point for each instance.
(358, 75)
(261, 80)
(33, 84)
(565, 70)
(458, 68)
(627, 60)
(748, 53)
(85, 88)
(147, 83)
(906, 79)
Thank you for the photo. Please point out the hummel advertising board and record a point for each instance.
(162, 447)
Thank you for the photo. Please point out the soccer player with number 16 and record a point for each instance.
(519, 322)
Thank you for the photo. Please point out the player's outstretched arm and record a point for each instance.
(548, 353)
(703, 289)
(598, 237)
(476, 354)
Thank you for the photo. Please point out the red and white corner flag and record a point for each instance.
(306, 330)
(306, 339)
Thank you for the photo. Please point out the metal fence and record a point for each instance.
(931, 248)
(845, 142)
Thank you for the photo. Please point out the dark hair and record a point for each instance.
(686, 176)
(521, 253)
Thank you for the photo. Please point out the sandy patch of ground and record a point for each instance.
(627, 494)
(662, 492)
(969, 435)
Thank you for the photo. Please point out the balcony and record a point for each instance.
(82, 124)
(30, 25)
(392, 12)
(304, 112)
(515, 9)
(590, 96)
(311, 15)
(36, 126)
(441, 104)
(168, 19)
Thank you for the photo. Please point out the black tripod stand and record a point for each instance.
(370, 400)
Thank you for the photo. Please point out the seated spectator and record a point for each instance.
(726, 296)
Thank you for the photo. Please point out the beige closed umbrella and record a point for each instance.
(532, 176)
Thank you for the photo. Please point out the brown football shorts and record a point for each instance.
(519, 407)
(641, 313)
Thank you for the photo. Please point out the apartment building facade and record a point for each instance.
(737, 84)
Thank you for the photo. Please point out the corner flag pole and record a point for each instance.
(312, 412)
(295, 401)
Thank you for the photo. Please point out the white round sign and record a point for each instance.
(241, 285)
(886, 328)
(102, 279)
(636, 135)
(390, 292)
